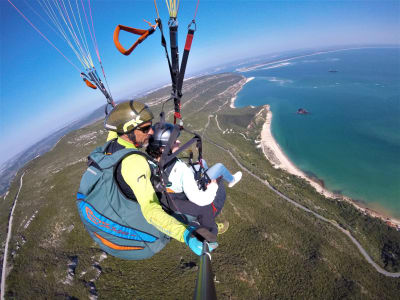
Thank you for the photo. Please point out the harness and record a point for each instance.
(114, 221)
(112, 216)
(167, 156)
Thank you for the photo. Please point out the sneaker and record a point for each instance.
(236, 178)
(222, 227)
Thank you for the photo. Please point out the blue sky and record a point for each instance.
(41, 92)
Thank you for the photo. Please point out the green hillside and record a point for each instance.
(272, 249)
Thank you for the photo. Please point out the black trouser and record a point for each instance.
(205, 215)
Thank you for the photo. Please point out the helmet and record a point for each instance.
(126, 116)
(161, 135)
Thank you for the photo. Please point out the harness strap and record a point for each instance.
(121, 154)
(142, 32)
(177, 75)
(164, 44)
(173, 38)
(166, 157)
(173, 72)
(200, 174)
(176, 92)
(177, 108)
(188, 45)
(169, 168)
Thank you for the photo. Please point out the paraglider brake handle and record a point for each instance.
(203, 234)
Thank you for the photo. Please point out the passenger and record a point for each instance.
(183, 188)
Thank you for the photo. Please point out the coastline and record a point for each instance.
(274, 154)
(232, 105)
(284, 62)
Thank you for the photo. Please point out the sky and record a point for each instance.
(41, 92)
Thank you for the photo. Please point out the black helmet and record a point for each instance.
(161, 135)
(126, 116)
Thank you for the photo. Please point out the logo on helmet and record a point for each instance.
(128, 126)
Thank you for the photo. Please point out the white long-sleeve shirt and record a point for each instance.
(182, 180)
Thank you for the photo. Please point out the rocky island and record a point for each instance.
(302, 111)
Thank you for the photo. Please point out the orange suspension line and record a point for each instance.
(155, 4)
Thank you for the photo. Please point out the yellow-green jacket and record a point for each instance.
(136, 173)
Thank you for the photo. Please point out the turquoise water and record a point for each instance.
(351, 138)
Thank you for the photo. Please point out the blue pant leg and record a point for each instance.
(218, 170)
(204, 164)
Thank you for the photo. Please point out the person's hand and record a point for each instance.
(175, 146)
(194, 244)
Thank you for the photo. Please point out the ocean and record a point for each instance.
(350, 138)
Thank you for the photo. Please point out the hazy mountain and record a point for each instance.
(273, 249)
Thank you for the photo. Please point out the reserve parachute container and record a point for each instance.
(115, 222)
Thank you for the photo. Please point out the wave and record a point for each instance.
(279, 81)
(270, 65)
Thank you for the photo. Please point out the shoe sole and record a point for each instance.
(224, 228)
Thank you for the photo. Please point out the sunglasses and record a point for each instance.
(144, 129)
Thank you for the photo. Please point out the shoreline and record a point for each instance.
(233, 99)
(284, 61)
(274, 154)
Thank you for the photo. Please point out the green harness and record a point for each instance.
(114, 221)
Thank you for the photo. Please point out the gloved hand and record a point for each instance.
(195, 245)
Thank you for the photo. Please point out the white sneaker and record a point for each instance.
(236, 178)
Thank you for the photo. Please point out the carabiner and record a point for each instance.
(190, 25)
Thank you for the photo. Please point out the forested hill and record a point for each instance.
(273, 249)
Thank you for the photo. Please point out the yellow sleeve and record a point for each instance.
(112, 135)
(136, 172)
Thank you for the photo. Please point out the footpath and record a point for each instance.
(4, 270)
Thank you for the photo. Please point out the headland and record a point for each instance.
(246, 80)
(274, 154)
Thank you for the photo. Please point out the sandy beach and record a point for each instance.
(277, 157)
(234, 98)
